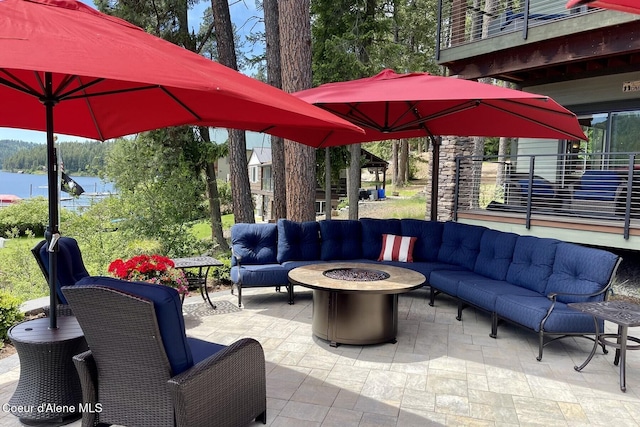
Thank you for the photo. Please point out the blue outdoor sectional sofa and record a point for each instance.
(525, 280)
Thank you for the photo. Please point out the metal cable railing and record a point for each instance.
(466, 21)
(600, 186)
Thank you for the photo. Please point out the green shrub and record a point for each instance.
(10, 314)
(30, 214)
(19, 271)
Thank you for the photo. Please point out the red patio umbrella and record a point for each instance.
(390, 106)
(68, 68)
(631, 6)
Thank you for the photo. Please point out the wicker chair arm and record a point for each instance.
(88, 373)
(226, 389)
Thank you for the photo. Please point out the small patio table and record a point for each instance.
(203, 264)
(48, 389)
(623, 314)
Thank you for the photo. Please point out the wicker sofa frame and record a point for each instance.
(127, 375)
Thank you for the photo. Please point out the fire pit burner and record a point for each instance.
(356, 274)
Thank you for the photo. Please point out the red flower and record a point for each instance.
(155, 269)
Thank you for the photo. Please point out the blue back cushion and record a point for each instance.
(580, 270)
(429, 234)
(70, 265)
(298, 241)
(496, 253)
(460, 244)
(598, 185)
(168, 307)
(341, 240)
(532, 262)
(255, 243)
(372, 231)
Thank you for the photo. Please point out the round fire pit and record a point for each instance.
(356, 274)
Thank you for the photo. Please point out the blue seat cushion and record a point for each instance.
(372, 231)
(260, 275)
(341, 240)
(70, 265)
(298, 241)
(529, 312)
(254, 243)
(168, 307)
(539, 187)
(426, 268)
(496, 253)
(203, 349)
(483, 292)
(532, 262)
(448, 281)
(460, 244)
(580, 270)
(598, 185)
(429, 234)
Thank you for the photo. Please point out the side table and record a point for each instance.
(203, 264)
(48, 390)
(623, 314)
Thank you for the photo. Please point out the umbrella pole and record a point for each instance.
(327, 183)
(52, 233)
(435, 170)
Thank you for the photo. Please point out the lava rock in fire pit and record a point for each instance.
(356, 274)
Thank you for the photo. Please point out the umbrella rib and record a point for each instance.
(466, 105)
(182, 104)
(18, 84)
(522, 116)
(358, 119)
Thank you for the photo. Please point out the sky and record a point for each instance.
(243, 15)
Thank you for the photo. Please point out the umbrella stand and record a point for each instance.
(435, 171)
(52, 234)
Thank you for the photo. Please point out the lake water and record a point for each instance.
(26, 185)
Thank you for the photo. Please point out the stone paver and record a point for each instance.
(440, 371)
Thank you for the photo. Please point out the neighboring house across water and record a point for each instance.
(586, 59)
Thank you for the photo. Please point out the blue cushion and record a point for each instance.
(448, 281)
(580, 270)
(298, 241)
(530, 311)
(255, 243)
(372, 231)
(70, 265)
(429, 234)
(532, 262)
(260, 275)
(341, 240)
(168, 307)
(426, 268)
(539, 187)
(496, 253)
(598, 185)
(483, 292)
(460, 244)
(203, 349)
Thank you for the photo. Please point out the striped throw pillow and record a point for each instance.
(397, 248)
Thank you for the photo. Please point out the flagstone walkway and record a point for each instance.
(440, 372)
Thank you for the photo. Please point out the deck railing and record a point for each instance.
(465, 21)
(601, 186)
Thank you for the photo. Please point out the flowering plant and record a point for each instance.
(152, 269)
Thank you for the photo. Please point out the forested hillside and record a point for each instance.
(86, 158)
(8, 147)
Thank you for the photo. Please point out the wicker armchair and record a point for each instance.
(142, 370)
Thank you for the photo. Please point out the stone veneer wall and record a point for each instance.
(450, 148)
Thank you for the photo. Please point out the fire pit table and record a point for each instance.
(356, 303)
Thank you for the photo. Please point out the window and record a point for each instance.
(267, 181)
(253, 174)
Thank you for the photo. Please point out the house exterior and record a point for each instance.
(586, 59)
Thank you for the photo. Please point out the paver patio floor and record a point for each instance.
(440, 371)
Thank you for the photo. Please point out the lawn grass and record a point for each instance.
(202, 230)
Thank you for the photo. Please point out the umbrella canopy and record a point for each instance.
(631, 6)
(390, 106)
(68, 68)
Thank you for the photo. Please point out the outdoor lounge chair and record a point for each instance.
(144, 371)
(70, 267)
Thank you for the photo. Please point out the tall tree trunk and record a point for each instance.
(501, 174)
(240, 188)
(353, 187)
(208, 168)
(274, 78)
(295, 46)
